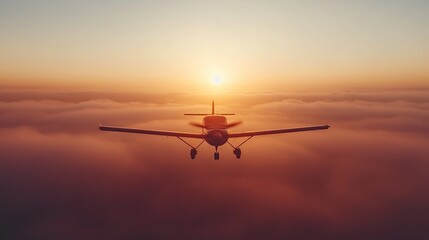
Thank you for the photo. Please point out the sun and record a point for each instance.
(217, 79)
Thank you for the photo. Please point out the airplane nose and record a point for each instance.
(216, 138)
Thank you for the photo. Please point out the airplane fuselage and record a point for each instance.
(215, 130)
(216, 137)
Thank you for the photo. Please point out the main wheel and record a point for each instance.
(216, 156)
(237, 153)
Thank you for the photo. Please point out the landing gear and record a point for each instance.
(237, 150)
(237, 153)
(216, 154)
(193, 153)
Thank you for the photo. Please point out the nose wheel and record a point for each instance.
(193, 153)
(216, 154)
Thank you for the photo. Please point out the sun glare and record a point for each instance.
(216, 79)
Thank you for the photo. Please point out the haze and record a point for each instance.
(158, 45)
(359, 66)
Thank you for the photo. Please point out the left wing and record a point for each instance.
(151, 132)
(277, 131)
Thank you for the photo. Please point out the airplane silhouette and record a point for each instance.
(214, 132)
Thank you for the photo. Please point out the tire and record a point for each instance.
(237, 153)
(193, 153)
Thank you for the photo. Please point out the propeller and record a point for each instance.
(199, 125)
(229, 125)
(233, 124)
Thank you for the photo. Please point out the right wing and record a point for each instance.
(277, 131)
(151, 132)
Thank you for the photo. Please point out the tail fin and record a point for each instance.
(206, 114)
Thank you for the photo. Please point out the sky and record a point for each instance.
(159, 45)
(359, 66)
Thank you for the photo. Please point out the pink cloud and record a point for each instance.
(364, 178)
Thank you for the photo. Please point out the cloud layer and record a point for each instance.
(366, 177)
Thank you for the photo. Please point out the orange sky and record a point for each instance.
(359, 66)
(179, 46)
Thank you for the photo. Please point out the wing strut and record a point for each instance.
(247, 139)
(190, 144)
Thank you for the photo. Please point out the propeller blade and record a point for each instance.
(229, 125)
(199, 125)
(233, 124)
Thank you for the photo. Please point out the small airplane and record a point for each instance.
(214, 132)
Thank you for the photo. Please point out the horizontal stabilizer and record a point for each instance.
(208, 114)
(197, 114)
